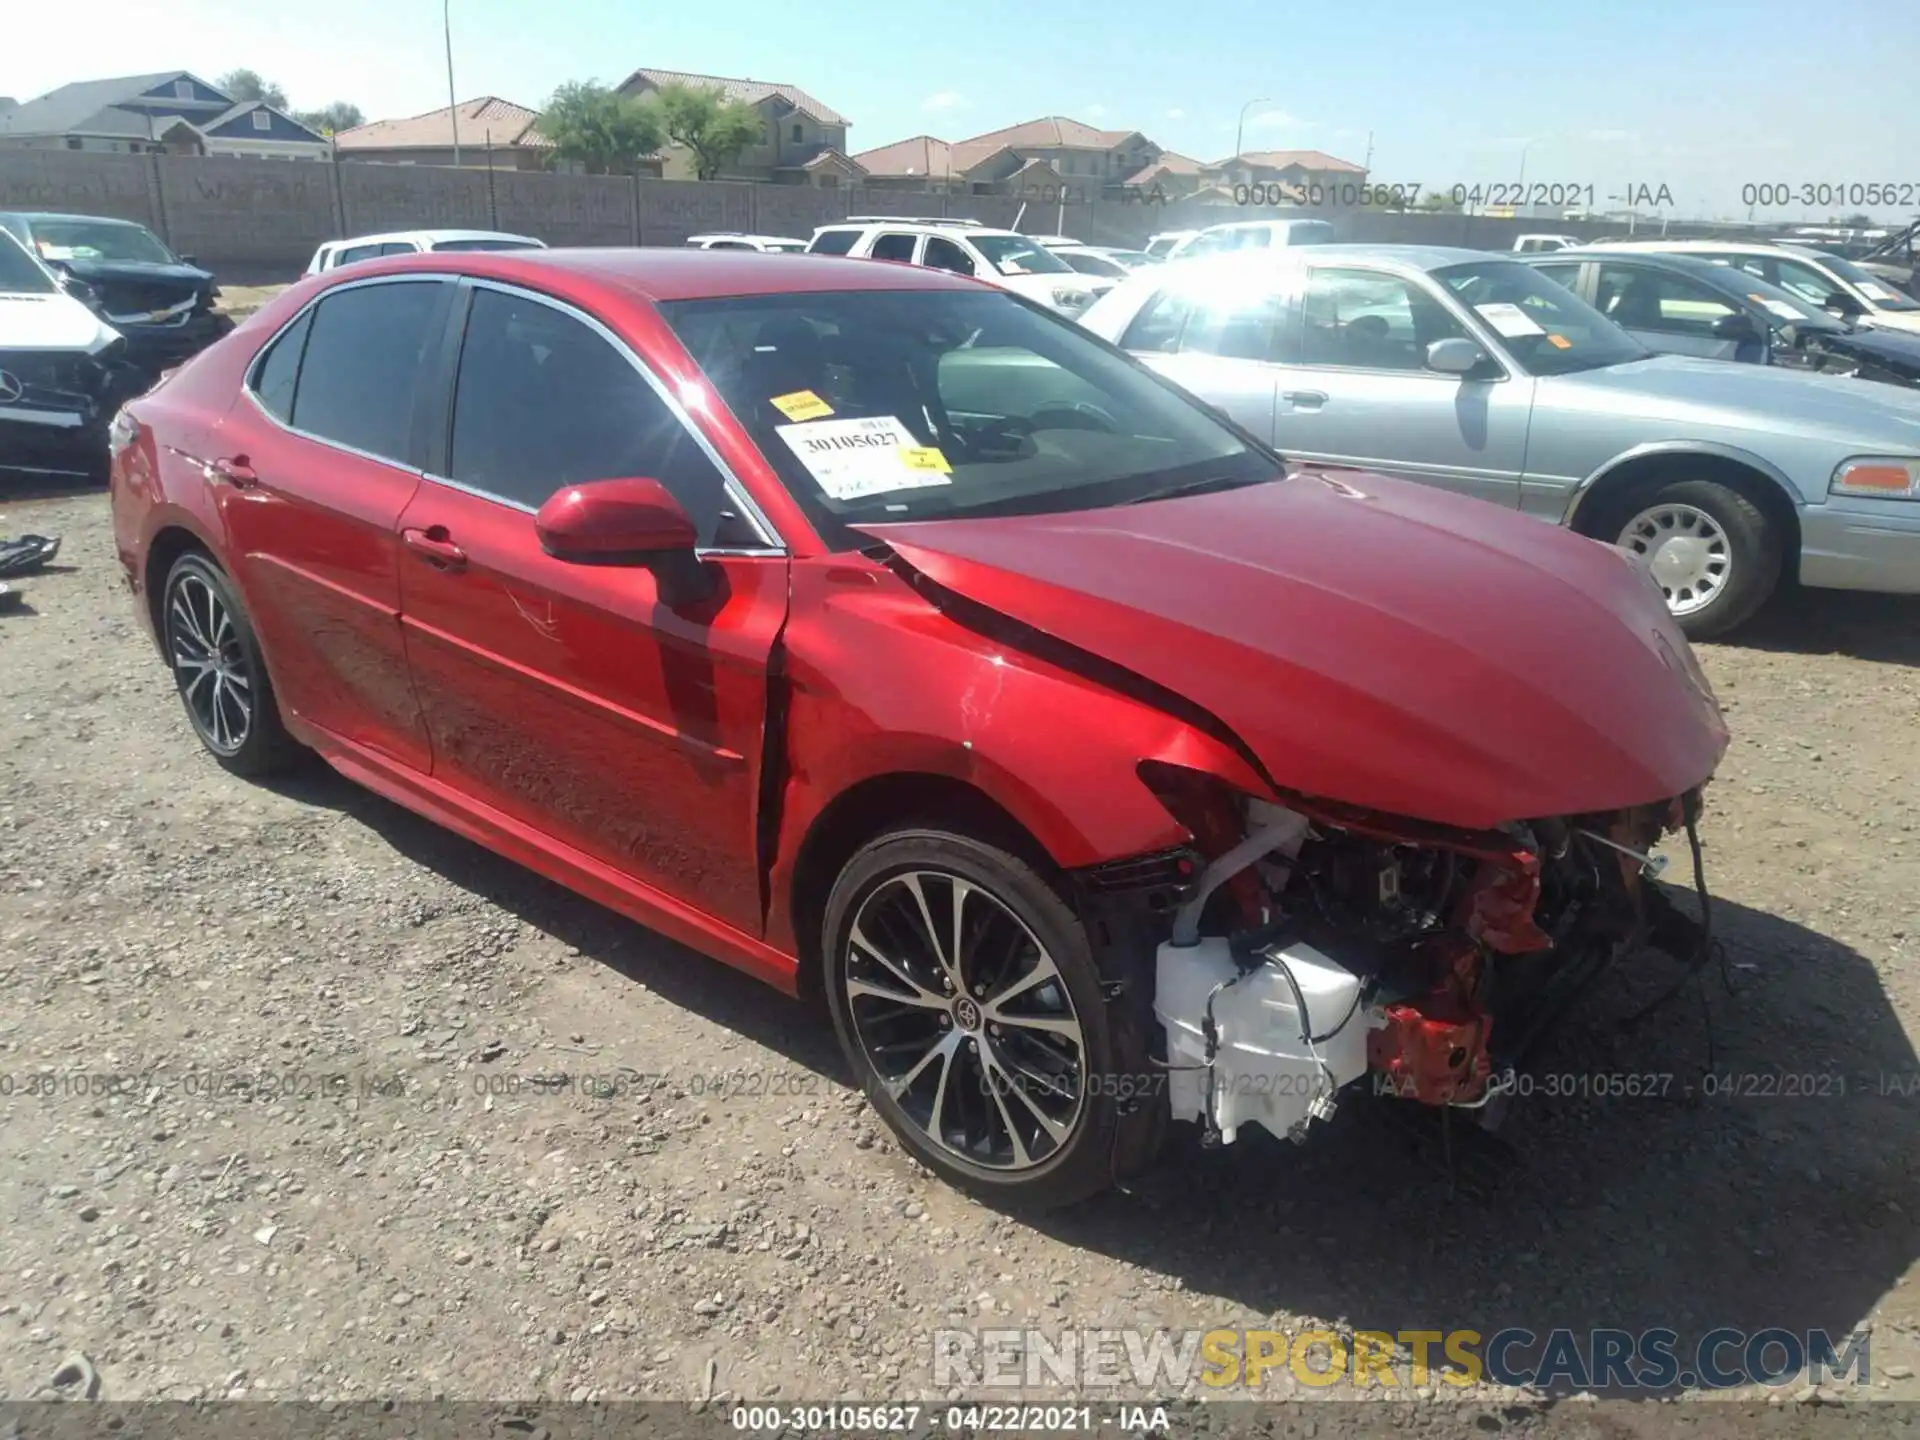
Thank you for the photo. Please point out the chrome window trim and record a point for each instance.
(748, 507)
(259, 361)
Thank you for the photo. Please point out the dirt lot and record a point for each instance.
(449, 1226)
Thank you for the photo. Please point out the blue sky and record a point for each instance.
(1704, 96)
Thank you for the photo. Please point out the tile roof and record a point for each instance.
(1053, 130)
(751, 92)
(1281, 159)
(1169, 163)
(922, 155)
(489, 116)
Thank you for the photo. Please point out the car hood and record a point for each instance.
(187, 277)
(51, 322)
(1759, 397)
(1897, 350)
(1368, 640)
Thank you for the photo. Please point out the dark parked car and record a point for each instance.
(868, 628)
(1677, 305)
(161, 302)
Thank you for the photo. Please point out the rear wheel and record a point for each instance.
(218, 671)
(964, 992)
(1713, 553)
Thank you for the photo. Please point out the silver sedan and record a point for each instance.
(1474, 372)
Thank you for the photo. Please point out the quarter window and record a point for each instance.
(543, 402)
(366, 350)
(274, 380)
(1364, 320)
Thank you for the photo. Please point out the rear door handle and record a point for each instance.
(236, 472)
(434, 545)
(1305, 399)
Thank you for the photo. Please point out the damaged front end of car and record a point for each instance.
(1318, 946)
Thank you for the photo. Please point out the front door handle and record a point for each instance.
(1305, 399)
(434, 545)
(236, 472)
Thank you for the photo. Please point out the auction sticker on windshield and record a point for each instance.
(801, 405)
(1509, 321)
(850, 459)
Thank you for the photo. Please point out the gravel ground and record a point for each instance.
(456, 1220)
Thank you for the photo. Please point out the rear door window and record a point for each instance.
(894, 246)
(943, 254)
(833, 242)
(366, 352)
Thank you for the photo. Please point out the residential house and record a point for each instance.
(170, 112)
(1054, 153)
(1298, 169)
(802, 141)
(490, 133)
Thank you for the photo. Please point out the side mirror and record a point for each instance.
(80, 290)
(189, 260)
(1839, 302)
(1738, 326)
(1456, 355)
(626, 522)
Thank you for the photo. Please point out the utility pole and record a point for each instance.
(1240, 132)
(453, 103)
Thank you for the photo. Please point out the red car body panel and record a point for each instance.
(672, 762)
(1373, 641)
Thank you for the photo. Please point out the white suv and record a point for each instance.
(1006, 258)
(1253, 235)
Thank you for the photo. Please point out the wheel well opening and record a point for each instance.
(891, 802)
(166, 547)
(1619, 489)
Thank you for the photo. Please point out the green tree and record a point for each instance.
(331, 119)
(713, 129)
(1438, 202)
(244, 85)
(605, 131)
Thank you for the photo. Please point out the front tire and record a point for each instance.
(1713, 553)
(217, 669)
(965, 995)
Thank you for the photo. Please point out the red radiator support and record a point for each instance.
(1435, 1051)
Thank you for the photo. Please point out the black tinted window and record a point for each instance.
(894, 247)
(945, 255)
(365, 355)
(273, 381)
(834, 242)
(544, 402)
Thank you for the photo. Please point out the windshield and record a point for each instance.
(1543, 325)
(1088, 263)
(487, 245)
(893, 405)
(1883, 295)
(1017, 255)
(98, 240)
(18, 274)
(787, 247)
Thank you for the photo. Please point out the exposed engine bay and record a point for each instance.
(1325, 946)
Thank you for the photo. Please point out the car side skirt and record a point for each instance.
(558, 862)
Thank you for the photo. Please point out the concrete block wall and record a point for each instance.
(258, 221)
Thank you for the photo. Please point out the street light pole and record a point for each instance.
(453, 103)
(1241, 130)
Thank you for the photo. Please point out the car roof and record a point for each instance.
(1407, 259)
(658, 273)
(948, 228)
(61, 215)
(1681, 263)
(1719, 247)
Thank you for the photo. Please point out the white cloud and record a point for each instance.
(1176, 114)
(1275, 120)
(945, 100)
(1094, 112)
(1610, 137)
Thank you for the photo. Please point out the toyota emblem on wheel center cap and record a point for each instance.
(966, 1014)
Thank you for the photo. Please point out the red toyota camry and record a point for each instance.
(877, 632)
